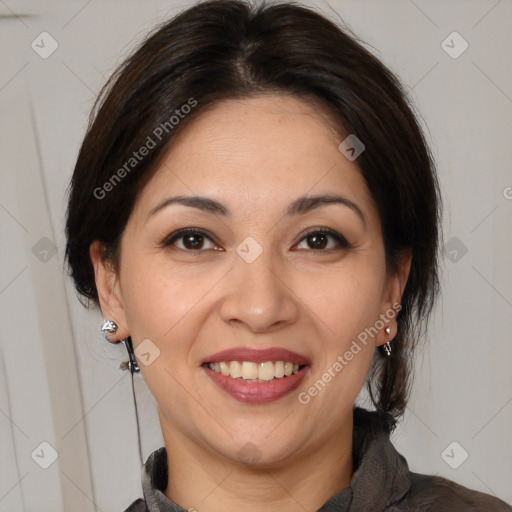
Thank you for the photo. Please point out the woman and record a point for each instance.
(256, 212)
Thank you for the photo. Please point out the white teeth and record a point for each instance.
(224, 368)
(266, 371)
(249, 371)
(259, 372)
(279, 369)
(235, 369)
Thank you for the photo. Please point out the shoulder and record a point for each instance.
(429, 493)
(138, 505)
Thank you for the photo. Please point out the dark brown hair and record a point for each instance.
(224, 49)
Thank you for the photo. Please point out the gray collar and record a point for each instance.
(381, 475)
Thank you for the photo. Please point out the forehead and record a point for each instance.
(265, 150)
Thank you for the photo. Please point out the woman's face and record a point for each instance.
(258, 276)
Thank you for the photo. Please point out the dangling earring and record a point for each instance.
(387, 346)
(108, 328)
(132, 364)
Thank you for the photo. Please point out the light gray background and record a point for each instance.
(60, 382)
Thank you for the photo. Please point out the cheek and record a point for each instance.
(347, 306)
(348, 299)
(163, 312)
(156, 297)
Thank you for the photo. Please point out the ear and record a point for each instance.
(109, 292)
(392, 296)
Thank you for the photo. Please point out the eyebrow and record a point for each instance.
(300, 206)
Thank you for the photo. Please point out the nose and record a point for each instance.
(259, 295)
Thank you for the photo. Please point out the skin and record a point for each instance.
(256, 156)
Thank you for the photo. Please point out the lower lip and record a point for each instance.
(257, 392)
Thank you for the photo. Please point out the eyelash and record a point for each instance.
(340, 239)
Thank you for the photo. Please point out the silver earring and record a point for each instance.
(387, 346)
(110, 327)
(132, 364)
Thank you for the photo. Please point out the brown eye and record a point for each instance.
(318, 239)
(191, 239)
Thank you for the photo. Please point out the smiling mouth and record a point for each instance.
(255, 372)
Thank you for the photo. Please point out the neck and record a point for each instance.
(200, 479)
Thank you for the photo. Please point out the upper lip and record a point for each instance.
(257, 355)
